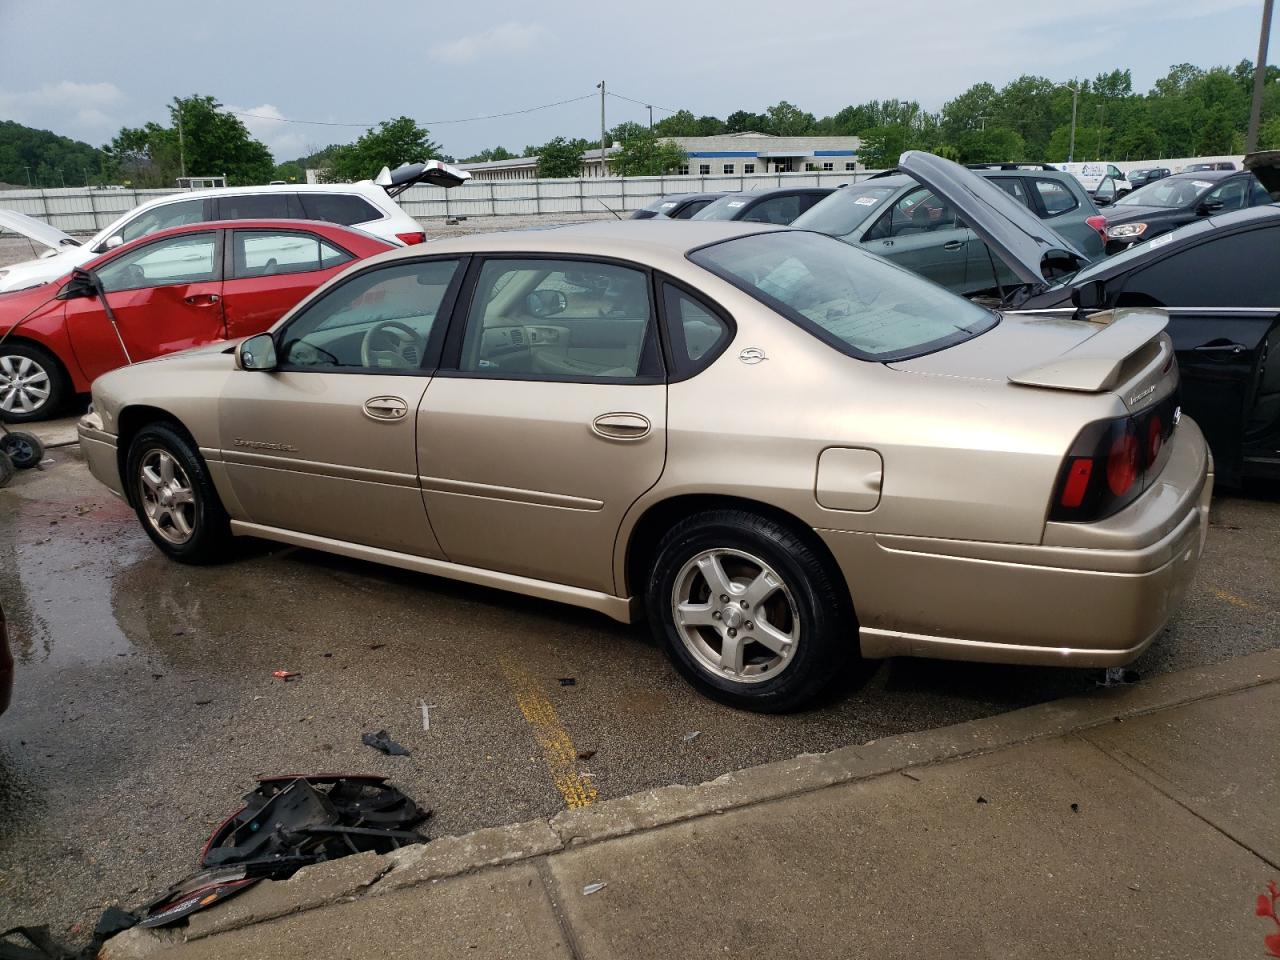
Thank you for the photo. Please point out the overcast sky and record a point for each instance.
(84, 69)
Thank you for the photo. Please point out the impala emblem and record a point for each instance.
(751, 355)
(1135, 398)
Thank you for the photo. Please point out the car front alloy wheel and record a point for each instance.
(31, 385)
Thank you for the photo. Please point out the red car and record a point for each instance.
(167, 291)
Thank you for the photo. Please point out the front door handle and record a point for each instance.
(621, 426)
(1218, 346)
(953, 245)
(385, 408)
(203, 299)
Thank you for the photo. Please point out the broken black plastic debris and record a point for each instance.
(568, 681)
(382, 741)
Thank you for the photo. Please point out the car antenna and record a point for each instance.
(607, 207)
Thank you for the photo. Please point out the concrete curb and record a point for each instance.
(372, 875)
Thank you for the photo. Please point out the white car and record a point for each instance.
(368, 205)
(1094, 176)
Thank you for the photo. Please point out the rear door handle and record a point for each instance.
(953, 245)
(385, 408)
(203, 299)
(621, 426)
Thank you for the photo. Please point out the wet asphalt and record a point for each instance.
(145, 704)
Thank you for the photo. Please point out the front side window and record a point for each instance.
(560, 319)
(919, 211)
(1106, 189)
(162, 217)
(265, 253)
(1056, 197)
(1233, 195)
(1244, 263)
(382, 319)
(850, 299)
(176, 260)
(779, 210)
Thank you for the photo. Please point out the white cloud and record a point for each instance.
(53, 105)
(504, 39)
(286, 141)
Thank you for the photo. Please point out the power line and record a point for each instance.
(429, 123)
(643, 103)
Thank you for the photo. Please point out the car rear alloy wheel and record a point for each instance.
(735, 615)
(170, 488)
(29, 385)
(751, 609)
(167, 497)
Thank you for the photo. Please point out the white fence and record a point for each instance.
(80, 210)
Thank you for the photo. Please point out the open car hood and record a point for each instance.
(1265, 165)
(34, 229)
(434, 173)
(1027, 245)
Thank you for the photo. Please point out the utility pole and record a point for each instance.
(182, 147)
(28, 169)
(650, 117)
(1075, 97)
(601, 86)
(1102, 114)
(1259, 80)
(62, 178)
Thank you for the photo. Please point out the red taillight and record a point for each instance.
(1122, 462)
(409, 239)
(1155, 438)
(1099, 223)
(1078, 475)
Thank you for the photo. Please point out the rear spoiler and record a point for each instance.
(1097, 364)
(434, 173)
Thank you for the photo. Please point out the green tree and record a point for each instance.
(644, 155)
(992, 145)
(682, 123)
(740, 121)
(788, 120)
(391, 144)
(490, 155)
(290, 172)
(561, 158)
(24, 151)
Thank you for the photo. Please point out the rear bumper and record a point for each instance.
(1059, 605)
(99, 450)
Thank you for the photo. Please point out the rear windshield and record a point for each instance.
(850, 299)
(840, 213)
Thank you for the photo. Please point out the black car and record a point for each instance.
(1140, 178)
(1182, 198)
(677, 206)
(778, 205)
(1219, 280)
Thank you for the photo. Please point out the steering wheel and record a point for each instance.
(404, 350)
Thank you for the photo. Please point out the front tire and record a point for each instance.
(749, 611)
(174, 497)
(33, 385)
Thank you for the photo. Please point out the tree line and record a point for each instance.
(1190, 111)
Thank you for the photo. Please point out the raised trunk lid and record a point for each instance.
(435, 173)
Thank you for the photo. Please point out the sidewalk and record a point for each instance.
(1134, 822)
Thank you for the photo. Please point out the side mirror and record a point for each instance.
(1209, 206)
(257, 353)
(1091, 295)
(112, 242)
(80, 285)
(1103, 201)
(546, 303)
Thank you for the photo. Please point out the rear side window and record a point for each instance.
(697, 333)
(1013, 187)
(254, 206)
(342, 208)
(1057, 198)
(265, 253)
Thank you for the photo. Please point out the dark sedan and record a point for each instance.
(1140, 178)
(676, 206)
(779, 205)
(1228, 353)
(1177, 200)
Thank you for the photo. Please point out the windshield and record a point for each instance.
(726, 208)
(839, 214)
(662, 205)
(1169, 192)
(850, 299)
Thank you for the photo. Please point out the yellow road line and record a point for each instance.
(1235, 601)
(558, 751)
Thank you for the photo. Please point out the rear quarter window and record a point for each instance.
(346, 209)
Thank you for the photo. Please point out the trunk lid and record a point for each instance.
(1121, 351)
(1265, 165)
(1032, 249)
(434, 173)
(36, 230)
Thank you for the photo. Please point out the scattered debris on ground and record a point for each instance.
(382, 741)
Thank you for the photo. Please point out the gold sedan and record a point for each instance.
(782, 450)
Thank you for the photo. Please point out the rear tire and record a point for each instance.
(174, 497)
(33, 385)
(749, 611)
